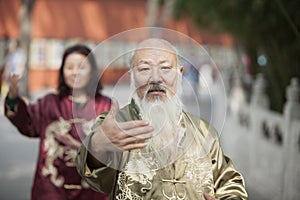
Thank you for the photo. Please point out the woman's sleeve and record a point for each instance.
(26, 118)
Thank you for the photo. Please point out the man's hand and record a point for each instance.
(68, 140)
(13, 86)
(120, 136)
(208, 197)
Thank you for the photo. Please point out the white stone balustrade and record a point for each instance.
(265, 145)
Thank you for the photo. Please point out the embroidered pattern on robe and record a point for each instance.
(197, 173)
(54, 150)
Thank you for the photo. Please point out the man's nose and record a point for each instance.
(155, 75)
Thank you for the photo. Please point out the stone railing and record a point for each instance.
(265, 145)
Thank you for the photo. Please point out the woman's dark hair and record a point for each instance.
(94, 86)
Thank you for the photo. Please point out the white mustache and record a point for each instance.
(155, 88)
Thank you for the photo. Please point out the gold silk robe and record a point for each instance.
(193, 173)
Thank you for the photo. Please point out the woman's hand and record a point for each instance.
(13, 86)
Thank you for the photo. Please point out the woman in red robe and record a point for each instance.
(61, 121)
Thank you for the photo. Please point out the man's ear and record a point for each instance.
(181, 69)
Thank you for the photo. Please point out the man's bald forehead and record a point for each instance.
(156, 43)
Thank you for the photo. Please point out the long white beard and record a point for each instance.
(164, 117)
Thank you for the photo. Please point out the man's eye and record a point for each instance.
(166, 67)
(144, 68)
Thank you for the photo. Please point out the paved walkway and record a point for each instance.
(18, 157)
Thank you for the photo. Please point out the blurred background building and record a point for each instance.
(55, 24)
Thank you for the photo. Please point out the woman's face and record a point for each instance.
(77, 71)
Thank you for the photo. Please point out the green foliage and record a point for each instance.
(270, 27)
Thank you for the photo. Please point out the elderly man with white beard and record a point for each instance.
(152, 148)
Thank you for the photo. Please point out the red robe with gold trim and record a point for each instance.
(56, 177)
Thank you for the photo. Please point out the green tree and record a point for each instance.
(269, 27)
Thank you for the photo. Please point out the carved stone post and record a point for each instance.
(259, 101)
(291, 107)
(259, 98)
(237, 96)
(291, 140)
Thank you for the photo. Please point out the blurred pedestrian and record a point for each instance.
(61, 120)
(190, 79)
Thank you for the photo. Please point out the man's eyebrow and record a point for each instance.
(144, 62)
(165, 61)
(150, 62)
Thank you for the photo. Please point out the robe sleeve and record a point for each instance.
(26, 118)
(228, 182)
(101, 179)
